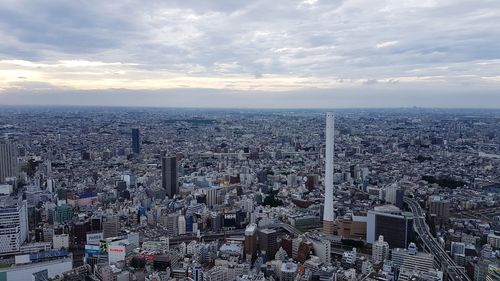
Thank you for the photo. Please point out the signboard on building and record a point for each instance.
(91, 250)
(94, 238)
(19, 259)
(103, 246)
(116, 253)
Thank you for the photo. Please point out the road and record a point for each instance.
(455, 273)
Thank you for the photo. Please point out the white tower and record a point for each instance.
(328, 214)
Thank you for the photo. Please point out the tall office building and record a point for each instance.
(394, 195)
(8, 165)
(212, 196)
(380, 250)
(268, 242)
(136, 145)
(169, 175)
(64, 214)
(250, 241)
(328, 214)
(172, 224)
(389, 221)
(440, 208)
(13, 224)
(110, 226)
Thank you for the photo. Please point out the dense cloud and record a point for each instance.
(356, 47)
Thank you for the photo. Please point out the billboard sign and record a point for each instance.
(91, 250)
(116, 253)
(103, 244)
(94, 238)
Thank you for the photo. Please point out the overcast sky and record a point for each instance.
(269, 53)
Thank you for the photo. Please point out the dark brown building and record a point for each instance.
(268, 242)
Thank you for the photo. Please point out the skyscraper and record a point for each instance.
(169, 175)
(136, 146)
(328, 214)
(8, 166)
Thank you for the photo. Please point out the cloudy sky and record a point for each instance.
(231, 53)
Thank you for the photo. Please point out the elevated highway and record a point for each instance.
(447, 264)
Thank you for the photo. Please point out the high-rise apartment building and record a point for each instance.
(169, 175)
(197, 271)
(13, 224)
(411, 259)
(212, 196)
(328, 214)
(380, 250)
(440, 208)
(394, 195)
(136, 145)
(181, 225)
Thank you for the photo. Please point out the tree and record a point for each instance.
(272, 201)
(138, 262)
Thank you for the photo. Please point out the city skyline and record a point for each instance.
(302, 54)
(231, 140)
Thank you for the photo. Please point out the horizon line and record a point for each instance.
(243, 108)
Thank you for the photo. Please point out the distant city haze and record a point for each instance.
(251, 54)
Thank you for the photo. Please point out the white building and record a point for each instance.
(212, 194)
(6, 189)
(217, 273)
(14, 224)
(295, 246)
(411, 260)
(328, 214)
(350, 256)
(322, 249)
(181, 225)
(380, 250)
